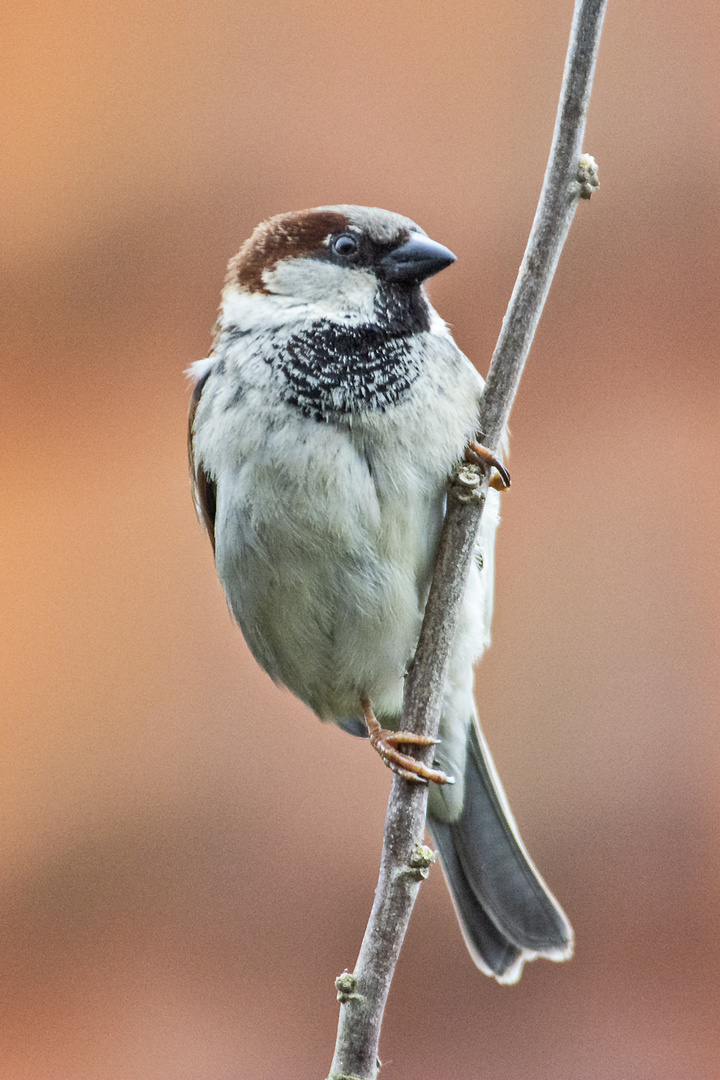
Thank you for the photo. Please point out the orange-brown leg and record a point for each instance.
(386, 743)
(476, 454)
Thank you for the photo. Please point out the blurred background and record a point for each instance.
(187, 856)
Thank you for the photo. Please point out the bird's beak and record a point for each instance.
(417, 259)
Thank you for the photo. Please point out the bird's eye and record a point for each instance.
(345, 245)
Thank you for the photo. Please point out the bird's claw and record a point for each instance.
(386, 743)
(477, 454)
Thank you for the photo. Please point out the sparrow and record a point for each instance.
(323, 428)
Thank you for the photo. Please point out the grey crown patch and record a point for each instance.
(331, 370)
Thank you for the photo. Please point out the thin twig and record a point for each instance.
(570, 175)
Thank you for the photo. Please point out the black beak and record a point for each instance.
(419, 258)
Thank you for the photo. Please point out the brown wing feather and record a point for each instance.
(203, 487)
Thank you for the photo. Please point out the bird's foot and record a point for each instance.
(477, 454)
(386, 743)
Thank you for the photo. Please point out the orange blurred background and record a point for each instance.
(188, 857)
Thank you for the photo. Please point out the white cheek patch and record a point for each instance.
(334, 291)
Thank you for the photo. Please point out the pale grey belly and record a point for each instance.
(334, 617)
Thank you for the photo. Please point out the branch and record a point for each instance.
(570, 175)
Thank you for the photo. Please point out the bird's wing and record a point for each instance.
(202, 484)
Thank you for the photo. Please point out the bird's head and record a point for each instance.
(346, 264)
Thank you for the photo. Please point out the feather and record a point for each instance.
(203, 486)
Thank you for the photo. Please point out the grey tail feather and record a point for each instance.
(507, 913)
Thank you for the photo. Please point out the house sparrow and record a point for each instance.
(323, 428)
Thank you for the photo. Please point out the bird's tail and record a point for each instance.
(507, 913)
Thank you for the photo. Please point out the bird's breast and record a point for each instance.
(325, 555)
(326, 531)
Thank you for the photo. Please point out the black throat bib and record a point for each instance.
(331, 370)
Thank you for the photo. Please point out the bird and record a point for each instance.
(323, 428)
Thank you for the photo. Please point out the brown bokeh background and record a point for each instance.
(187, 856)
